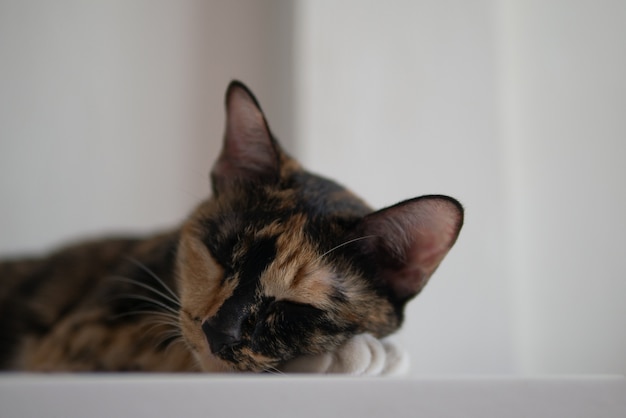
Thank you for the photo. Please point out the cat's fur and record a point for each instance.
(278, 263)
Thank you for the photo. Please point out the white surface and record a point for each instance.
(272, 396)
(563, 104)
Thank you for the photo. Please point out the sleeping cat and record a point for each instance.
(278, 264)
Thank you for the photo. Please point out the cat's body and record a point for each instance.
(77, 310)
(278, 263)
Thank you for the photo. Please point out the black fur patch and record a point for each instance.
(257, 258)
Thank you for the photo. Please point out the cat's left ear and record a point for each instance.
(409, 240)
(249, 153)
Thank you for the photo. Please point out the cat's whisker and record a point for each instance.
(344, 244)
(172, 335)
(273, 370)
(154, 276)
(170, 328)
(150, 300)
(175, 301)
(167, 315)
(168, 322)
(169, 334)
(164, 322)
(171, 343)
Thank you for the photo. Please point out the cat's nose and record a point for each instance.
(219, 338)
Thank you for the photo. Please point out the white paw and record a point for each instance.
(362, 355)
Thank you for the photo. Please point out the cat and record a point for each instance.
(277, 264)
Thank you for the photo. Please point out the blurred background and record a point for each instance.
(111, 114)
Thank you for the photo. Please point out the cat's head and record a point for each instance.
(280, 262)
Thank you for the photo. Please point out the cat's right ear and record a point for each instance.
(409, 240)
(249, 153)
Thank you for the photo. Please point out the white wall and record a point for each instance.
(111, 112)
(398, 99)
(111, 115)
(564, 94)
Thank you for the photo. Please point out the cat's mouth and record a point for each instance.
(237, 356)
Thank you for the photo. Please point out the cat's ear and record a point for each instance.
(249, 153)
(410, 239)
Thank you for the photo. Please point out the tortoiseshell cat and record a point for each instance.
(278, 263)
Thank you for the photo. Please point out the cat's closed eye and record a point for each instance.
(287, 313)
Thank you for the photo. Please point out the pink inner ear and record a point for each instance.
(422, 259)
(427, 252)
(244, 119)
(435, 232)
(248, 152)
(415, 236)
(406, 282)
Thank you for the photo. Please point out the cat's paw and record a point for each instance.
(362, 355)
